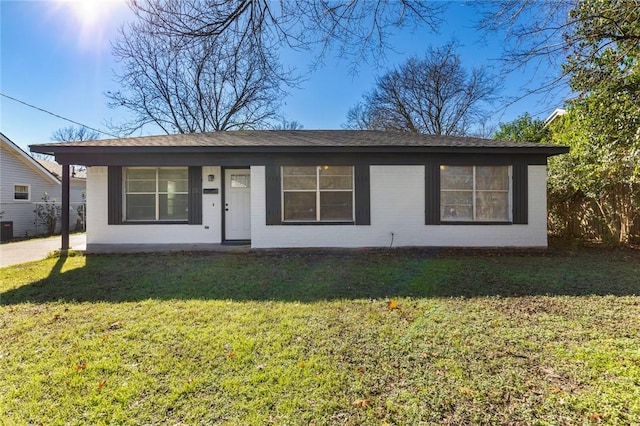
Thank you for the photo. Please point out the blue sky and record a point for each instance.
(57, 56)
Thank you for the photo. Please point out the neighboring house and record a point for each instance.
(557, 113)
(77, 190)
(313, 188)
(23, 182)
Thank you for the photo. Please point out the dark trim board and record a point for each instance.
(236, 242)
(241, 160)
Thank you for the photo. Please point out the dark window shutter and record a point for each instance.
(195, 195)
(114, 195)
(520, 194)
(432, 194)
(363, 194)
(273, 195)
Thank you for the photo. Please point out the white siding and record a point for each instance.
(14, 170)
(100, 232)
(397, 206)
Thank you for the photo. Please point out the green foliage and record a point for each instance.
(603, 126)
(523, 129)
(48, 214)
(313, 339)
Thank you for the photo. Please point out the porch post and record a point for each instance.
(65, 208)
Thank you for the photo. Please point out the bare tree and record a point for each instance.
(287, 125)
(73, 133)
(539, 36)
(434, 95)
(68, 134)
(357, 29)
(185, 86)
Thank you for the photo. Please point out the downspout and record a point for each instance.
(65, 208)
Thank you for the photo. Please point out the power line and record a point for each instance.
(59, 116)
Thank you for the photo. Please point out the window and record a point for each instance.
(21, 192)
(240, 181)
(156, 194)
(475, 193)
(317, 194)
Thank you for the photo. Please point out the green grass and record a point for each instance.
(487, 337)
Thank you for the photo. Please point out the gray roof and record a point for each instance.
(56, 169)
(292, 139)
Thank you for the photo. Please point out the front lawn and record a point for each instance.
(346, 337)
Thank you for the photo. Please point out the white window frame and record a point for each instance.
(473, 195)
(28, 192)
(157, 194)
(318, 191)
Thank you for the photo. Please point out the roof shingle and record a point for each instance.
(297, 138)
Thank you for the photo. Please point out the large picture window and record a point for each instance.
(475, 193)
(317, 194)
(156, 194)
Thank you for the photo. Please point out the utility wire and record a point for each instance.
(58, 116)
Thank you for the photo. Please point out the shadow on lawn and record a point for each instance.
(309, 276)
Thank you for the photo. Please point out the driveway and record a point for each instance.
(37, 249)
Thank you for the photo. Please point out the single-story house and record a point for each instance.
(312, 188)
(23, 182)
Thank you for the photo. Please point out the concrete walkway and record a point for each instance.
(37, 249)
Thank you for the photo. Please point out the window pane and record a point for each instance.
(173, 206)
(181, 173)
(492, 205)
(141, 173)
(173, 180)
(172, 186)
(336, 206)
(299, 182)
(455, 177)
(492, 177)
(240, 181)
(20, 192)
(456, 205)
(336, 177)
(141, 186)
(300, 206)
(296, 171)
(141, 207)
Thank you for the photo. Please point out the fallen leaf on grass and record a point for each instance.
(361, 403)
(393, 304)
(231, 355)
(595, 417)
(81, 366)
(466, 391)
(101, 384)
(361, 370)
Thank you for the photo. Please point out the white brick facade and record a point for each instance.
(397, 206)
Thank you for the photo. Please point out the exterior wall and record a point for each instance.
(397, 206)
(99, 232)
(15, 170)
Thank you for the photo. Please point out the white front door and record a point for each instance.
(237, 204)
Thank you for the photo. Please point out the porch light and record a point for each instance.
(210, 178)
